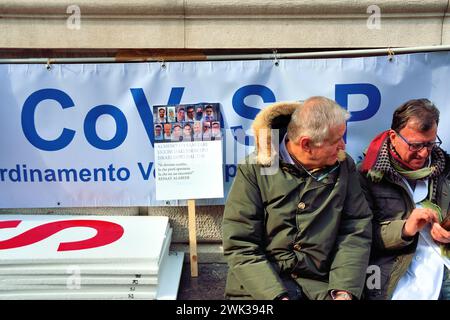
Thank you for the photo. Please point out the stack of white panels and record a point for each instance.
(87, 257)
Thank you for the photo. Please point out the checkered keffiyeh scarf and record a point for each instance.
(381, 159)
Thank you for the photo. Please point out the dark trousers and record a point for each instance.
(445, 289)
(293, 288)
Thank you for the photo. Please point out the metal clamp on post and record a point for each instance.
(391, 54)
(48, 65)
(275, 58)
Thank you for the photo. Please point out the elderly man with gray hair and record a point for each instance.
(304, 231)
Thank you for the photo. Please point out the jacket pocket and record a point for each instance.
(307, 268)
(234, 289)
(388, 206)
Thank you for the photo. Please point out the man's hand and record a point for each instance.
(341, 295)
(417, 220)
(439, 234)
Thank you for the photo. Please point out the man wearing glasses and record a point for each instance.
(190, 115)
(301, 230)
(405, 178)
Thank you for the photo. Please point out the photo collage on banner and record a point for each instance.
(187, 122)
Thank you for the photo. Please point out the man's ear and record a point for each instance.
(392, 136)
(305, 143)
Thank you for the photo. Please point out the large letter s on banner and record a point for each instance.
(246, 111)
(107, 232)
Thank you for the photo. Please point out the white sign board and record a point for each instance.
(26, 239)
(189, 170)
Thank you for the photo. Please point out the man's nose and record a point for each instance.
(424, 152)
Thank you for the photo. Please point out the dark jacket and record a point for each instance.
(391, 205)
(287, 226)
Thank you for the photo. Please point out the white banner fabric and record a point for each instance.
(81, 135)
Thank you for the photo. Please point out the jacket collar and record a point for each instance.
(284, 153)
(273, 117)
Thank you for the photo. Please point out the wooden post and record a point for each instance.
(192, 238)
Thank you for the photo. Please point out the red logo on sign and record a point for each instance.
(107, 232)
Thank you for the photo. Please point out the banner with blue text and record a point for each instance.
(82, 135)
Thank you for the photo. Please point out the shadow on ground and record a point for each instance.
(209, 285)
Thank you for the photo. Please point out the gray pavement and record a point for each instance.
(209, 285)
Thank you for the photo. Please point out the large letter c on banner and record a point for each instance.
(29, 127)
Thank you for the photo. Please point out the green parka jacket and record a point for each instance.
(391, 205)
(287, 224)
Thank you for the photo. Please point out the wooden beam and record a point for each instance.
(192, 238)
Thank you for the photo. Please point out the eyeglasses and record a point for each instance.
(418, 146)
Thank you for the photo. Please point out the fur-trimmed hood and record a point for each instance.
(275, 116)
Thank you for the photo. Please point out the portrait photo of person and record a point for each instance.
(208, 114)
(206, 130)
(197, 128)
(167, 131)
(215, 130)
(159, 114)
(176, 132)
(187, 132)
(190, 114)
(199, 113)
(171, 114)
(158, 132)
(181, 113)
